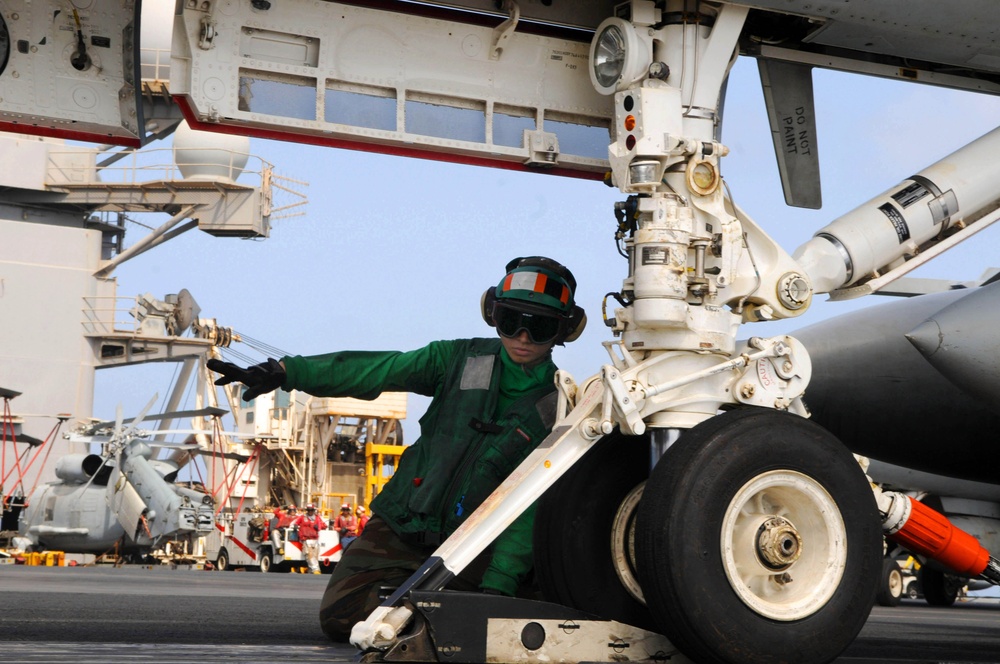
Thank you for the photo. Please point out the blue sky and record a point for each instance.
(394, 252)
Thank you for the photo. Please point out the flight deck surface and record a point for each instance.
(136, 614)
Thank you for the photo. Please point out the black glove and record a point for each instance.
(259, 378)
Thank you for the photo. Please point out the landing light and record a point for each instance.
(618, 56)
(609, 56)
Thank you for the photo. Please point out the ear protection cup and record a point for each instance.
(486, 305)
(575, 324)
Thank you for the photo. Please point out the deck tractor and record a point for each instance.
(245, 541)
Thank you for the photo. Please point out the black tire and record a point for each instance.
(913, 590)
(266, 561)
(574, 564)
(745, 465)
(940, 588)
(222, 562)
(890, 590)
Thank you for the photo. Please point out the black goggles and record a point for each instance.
(541, 329)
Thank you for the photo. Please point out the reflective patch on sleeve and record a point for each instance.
(477, 373)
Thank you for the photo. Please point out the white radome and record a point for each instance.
(205, 155)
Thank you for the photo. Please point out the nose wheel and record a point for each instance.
(585, 532)
(758, 541)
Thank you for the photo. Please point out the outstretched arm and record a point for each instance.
(259, 378)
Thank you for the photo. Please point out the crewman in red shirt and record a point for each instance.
(309, 525)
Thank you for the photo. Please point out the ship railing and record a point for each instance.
(112, 167)
(113, 314)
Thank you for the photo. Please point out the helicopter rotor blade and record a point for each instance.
(195, 432)
(134, 425)
(119, 416)
(176, 446)
(177, 414)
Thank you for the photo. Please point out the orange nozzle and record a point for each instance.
(930, 533)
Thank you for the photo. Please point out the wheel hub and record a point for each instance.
(778, 543)
(784, 546)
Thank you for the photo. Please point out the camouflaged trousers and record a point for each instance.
(373, 566)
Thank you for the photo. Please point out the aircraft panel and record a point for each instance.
(585, 15)
(70, 70)
(128, 506)
(347, 76)
(964, 35)
(930, 36)
(928, 42)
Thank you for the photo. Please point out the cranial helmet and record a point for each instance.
(536, 295)
(345, 506)
(310, 506)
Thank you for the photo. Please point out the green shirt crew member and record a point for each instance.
(493, 402)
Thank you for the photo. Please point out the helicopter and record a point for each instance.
(123, 497)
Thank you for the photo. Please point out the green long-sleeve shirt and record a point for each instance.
(456, 463)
